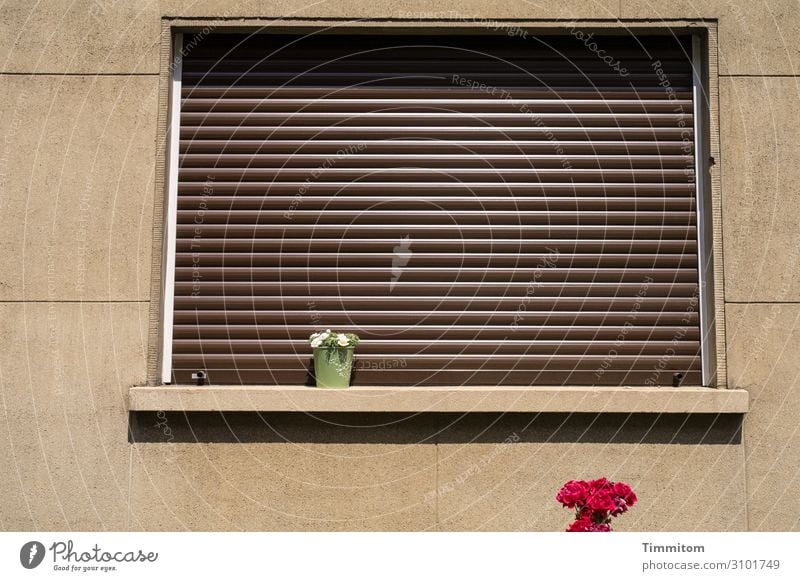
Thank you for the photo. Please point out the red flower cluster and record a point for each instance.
(595, 502)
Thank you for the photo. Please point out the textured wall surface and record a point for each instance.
(78, 112)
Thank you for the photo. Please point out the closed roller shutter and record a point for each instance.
(480, 210)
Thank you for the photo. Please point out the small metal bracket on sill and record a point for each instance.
(200, 377)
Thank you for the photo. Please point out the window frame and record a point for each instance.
(706, 141)
(171, 214)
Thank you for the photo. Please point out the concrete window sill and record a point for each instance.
(281, 398)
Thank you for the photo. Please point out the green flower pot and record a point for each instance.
(332, 367)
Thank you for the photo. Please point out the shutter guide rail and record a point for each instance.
(704, 245)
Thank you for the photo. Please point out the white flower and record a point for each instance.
(316, 342)
(342, 340)
(314, 336)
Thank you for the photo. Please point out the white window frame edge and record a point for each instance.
(705, 248)
(171, 214)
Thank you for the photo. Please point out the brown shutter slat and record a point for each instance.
(439, 347)
(434, 160)
(447, 289)
(436, 363)
(529, 245)
(355, 133)
(433, 174)
(502, 231)
(378, 62)
(390, 371)
(608, 332)
(437, 317)
(453, 146)
(538, 231)
(449, 274)
(423, 217)
(421, 304)
(438, 188)
(522, 93)
(419, 259)
(345, 202)
(392, 119)
(412, 103)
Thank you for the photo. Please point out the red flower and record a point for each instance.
(602, 501)
(587, 525)
(595, 502)
(625, 493)
(572, 493)
(581, 525)
(625, 498)
(599, 528)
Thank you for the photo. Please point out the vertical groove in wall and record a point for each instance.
(129, 516)
(745, 478)
(156, 274)
(716, 205)
(436, 524)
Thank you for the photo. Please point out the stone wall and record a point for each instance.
(78, 112)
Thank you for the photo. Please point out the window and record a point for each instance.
(481, 209)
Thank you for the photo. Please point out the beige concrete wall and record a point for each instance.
(78, 111)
